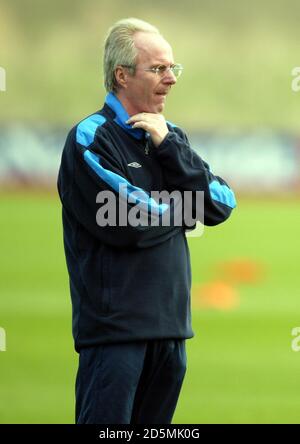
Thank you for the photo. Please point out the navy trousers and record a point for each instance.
(130, 383)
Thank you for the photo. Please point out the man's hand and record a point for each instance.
(154, 124)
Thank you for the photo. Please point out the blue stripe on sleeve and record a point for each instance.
(120, 184)
(223, 194)
(87, 128)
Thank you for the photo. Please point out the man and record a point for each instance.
(130, 284)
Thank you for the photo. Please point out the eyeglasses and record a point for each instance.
(161, 70)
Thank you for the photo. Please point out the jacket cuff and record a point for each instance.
(168, 141)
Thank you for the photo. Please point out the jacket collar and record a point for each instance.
(121, 116)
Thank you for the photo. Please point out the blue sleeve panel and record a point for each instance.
(85, 135)
(86, 129)
(121, 185)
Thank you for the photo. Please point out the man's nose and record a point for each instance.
(170, 78)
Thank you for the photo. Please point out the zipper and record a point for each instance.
(147, 146)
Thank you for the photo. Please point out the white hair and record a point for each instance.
(119, 48)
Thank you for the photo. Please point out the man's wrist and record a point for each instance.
(161, 139)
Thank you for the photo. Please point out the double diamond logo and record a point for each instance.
(134, 165)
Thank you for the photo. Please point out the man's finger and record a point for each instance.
(145, 117)
(137, 117)
(141, 124)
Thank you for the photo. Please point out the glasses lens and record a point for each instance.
(177, 70)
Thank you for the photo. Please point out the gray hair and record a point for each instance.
(119, 48)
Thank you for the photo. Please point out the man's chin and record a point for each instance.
(155, 109)
(158, 109)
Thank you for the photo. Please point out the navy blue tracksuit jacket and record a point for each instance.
(130, 283)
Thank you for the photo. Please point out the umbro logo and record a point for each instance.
(134, 165)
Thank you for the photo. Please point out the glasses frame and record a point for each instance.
(158, 71)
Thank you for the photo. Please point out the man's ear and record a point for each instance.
(121, 76)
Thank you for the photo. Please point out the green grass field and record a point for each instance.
(241, 368)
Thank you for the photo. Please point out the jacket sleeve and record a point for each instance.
(86, 171)
(184, 170)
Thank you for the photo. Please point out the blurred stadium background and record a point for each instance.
(236, 103)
